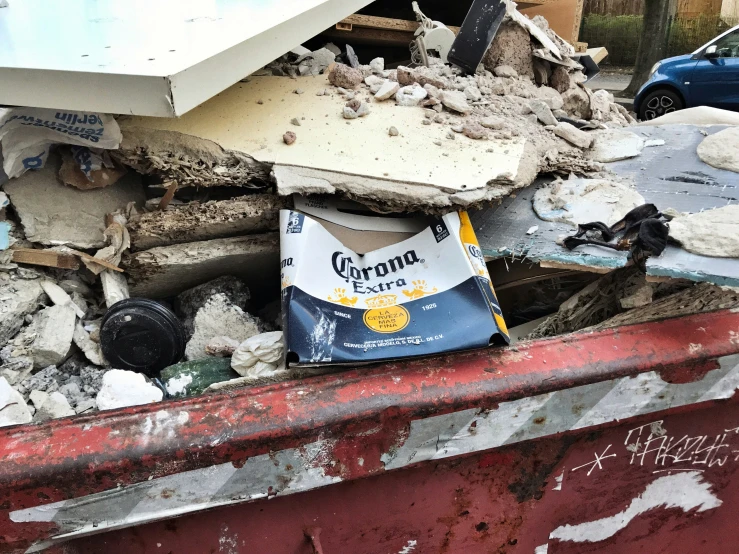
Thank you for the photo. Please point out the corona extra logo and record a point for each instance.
(344, 266)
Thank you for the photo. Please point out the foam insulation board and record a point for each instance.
(421, 167)
(158, 58)
(670, 176)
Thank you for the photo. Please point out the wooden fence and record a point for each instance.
(685, 8)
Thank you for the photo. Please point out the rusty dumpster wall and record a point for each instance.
(514, 417)
(663, 483)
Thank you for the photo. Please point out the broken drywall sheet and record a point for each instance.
(55, 214)
(712, 233)
(186, 159)
(576, 201)
(670, 176)
(195, 221)
(251, 118)
(168, 270)
(721, 150)
(700, 115)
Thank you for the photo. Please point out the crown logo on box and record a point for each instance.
(381, 301)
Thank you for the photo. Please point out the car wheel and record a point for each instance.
(659, 102)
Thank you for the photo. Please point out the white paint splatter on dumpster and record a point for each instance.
(408, 548)
(687, 491)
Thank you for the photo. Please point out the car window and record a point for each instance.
(728, 46)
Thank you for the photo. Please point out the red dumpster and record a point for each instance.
(622, 440)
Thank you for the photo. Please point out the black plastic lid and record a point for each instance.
(141, 335)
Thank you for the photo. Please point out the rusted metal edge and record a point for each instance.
(324, 426)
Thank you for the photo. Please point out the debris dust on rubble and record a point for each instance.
(184, 214)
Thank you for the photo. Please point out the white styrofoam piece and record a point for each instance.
(140, 57)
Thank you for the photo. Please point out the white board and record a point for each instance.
(147, 57)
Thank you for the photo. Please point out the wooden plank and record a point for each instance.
(98, 261)
(577, 21)
(364, 35)
(46, 258)
(575, 267)
(598, 54)
(168, 196)
(385, 23)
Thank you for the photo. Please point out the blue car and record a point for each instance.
(707, 77)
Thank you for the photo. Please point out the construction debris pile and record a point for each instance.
(175, 222)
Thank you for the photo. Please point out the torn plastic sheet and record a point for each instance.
(91, 159)
(26, 134)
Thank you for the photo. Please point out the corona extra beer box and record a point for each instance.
(359, 287)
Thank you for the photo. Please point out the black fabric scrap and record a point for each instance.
(642, 233)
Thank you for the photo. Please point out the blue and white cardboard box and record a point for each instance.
(358, 287)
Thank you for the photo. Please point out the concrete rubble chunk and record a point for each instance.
(576, 102)
(611, 145)
(126, 388)
(335, 50)
(243, 215)
(72, 391)
(115, 287)
(551, 97)
(543, 112)
(46, 380)
(343, 76)
(542, 72)
(474, 131)
(314, 63)
(59, 297)
(219, 317)
(455, 101)
(422, 76)
(373, 80)
(13, 409)
(473, 94)
(168, 270)
(188, 303)
(38, 398)
(18, 298)
(432, 90)
(511, 47)
(387, 90)
(505, 71)
(560, 79)
(600, 105)
(493, 122)
(573, 135)
(54, 406)
(377, 65)
(54, 328)
(91, 349)
(54, 214)
(221, 346)
(410, 95)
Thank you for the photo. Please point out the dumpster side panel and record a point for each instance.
(124, 468)
(663, 483)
